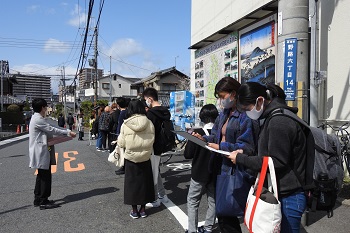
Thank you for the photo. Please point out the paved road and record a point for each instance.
(91, 195)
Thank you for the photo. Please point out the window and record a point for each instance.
(105, 86)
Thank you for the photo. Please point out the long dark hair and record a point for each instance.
(226, 84)
(135, 107)
(250, 91)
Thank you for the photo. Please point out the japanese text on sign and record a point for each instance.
(290, 68)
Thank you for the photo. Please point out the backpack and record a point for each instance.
(324, 172)
(104, 122)
(167, 137)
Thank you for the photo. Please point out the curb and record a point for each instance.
(13, 136)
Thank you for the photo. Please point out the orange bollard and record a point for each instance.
(18, 129)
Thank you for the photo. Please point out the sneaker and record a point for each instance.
(143, 214)
(134, 215)
(99, 149)
(155, 203)
(163, 199)
(203, 230)
(121, 171)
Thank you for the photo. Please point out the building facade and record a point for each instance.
(33, 87)
(299, 45)
(87, 76)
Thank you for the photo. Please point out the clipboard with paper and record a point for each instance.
(199, 142)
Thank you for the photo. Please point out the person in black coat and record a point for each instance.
(61, 122)
(201, 179)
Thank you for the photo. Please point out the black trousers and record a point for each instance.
(42, 189)
(104, 139)
(229, 224)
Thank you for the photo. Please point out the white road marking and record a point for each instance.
(180, 216)
(13, 139)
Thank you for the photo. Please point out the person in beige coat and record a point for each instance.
(137, 137)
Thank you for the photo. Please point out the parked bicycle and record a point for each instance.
(343, 133)
(180, 144)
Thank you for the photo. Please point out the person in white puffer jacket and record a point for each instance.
(137, 138)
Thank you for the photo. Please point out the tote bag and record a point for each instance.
(232, 188)
(117, 156)
(263, 210)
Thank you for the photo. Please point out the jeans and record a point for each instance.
(99, 140)
(195, 192)
(293, 207)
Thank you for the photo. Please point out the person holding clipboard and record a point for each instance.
(41, 152)
(232, 130)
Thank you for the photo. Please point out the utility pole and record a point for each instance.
(64, 92)
(110, 79)
(293, 21)
(95, 66)
(294, 24)
(175, 60)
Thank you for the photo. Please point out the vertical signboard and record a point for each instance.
(290, 67)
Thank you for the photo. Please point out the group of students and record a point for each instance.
(241, 129)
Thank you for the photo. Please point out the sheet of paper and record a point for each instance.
(227, 153)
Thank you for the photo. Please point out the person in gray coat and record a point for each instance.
(41, 156)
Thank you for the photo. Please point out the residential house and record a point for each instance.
(164, 81)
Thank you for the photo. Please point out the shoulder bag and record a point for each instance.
(263, 209)
(117, 156)
(232, 188)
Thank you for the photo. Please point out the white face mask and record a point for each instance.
(255, 114)
(148, 102)
(227, 103)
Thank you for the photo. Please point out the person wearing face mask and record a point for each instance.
(157, 114)
(284, 141)
(232, 130)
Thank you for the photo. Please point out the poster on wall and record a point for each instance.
(213, 62)
(257, 54)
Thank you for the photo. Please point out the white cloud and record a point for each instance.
(78, 17)
(33, 8)
(56, 46)
(126, 47)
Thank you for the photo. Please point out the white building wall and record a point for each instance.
(334, 57)
(120, 87)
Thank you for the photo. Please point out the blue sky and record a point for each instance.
(39, 37)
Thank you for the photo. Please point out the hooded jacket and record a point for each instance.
(284, 141)
(157, 115)
(137, 137)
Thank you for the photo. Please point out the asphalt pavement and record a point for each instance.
(91, 195)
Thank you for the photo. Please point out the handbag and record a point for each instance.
(117, 156)
(263, 211)
(232, 188)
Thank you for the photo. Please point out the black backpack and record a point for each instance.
(167, 137)
(324, 172)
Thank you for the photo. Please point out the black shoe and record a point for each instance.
(48, 206)
(37, 203)
(121, 171)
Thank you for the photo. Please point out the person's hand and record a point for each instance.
(114, 142)
(233, 155)
(197, 135)
(214, 146)
(72, 134)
